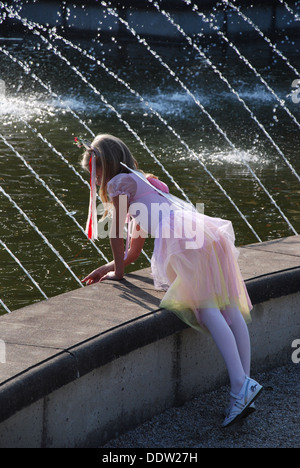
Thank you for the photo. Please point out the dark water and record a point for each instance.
(27, 99)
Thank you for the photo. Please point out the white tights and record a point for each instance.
(232, 341)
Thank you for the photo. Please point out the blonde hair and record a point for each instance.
(110, 151)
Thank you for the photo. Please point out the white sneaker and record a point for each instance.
(249, 392)
(249, 410)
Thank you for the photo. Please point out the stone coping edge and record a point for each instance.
(72, 363)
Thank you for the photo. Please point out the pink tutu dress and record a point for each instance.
(194, 258)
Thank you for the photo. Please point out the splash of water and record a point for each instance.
(32, 105)
(12, 106)
(28, 70)
(235, 157)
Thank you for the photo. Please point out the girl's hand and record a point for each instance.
(97, 274)
(111, 276)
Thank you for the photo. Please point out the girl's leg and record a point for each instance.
(225, 340)
(241, 334)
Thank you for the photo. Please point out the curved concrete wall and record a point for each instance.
(87, 365)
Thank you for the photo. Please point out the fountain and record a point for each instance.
(214, 121)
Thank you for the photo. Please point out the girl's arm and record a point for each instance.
(136, 244)
(115, 269)
(117, 242)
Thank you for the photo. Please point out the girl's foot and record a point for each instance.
(240, 409)
(249, 410)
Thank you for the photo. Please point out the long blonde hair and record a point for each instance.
(110, 151)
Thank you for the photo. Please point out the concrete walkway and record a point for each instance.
(197, 424)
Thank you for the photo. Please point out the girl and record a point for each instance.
(199, 272)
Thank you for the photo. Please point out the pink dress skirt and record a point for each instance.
(201, 276)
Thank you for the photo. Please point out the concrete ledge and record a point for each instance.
(82, 367)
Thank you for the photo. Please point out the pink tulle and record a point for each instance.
(207, 276)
